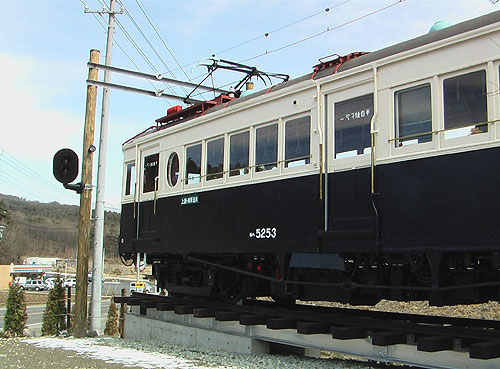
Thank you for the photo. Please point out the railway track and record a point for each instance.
(425, 341)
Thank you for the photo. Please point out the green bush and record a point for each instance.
(15, 314)
(54, 316)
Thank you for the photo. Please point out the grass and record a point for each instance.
(31, 298)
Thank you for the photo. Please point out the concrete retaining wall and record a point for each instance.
(139, 328)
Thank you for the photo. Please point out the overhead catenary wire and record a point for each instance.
(127, 34)
(139, 50)
(141, 32)
(161, 39)
(131, 40)
(267, 34)
(329, 29)
(123, 50)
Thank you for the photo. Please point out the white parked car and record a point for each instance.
(70, 282)
(21, 281)
(35, 284)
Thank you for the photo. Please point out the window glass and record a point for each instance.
(352, 126)
(193, 164)
(413, 115)
(465, 104)
(239, 154)
(266, 150)
(173, 169)
(150, 172)
(130, 178)
(215, 159)
(297, 141)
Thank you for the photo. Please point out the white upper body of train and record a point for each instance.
(434, 95)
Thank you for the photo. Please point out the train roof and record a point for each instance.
(324, 69)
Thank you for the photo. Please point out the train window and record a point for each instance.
(215, 159)
(413, 115)
(130, 178)
(465, 111)
(193, 164)
(352, 126)
(173, 169)
(239, 154)
(266, 148)
(150, 172)
(297, 141)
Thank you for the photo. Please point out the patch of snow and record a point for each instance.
(126, 356)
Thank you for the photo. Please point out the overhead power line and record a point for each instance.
(139, 50)
(267, 34)
(141, 32)
(36, 195)
(21, 172)
(329, 29)
(135, 44)
(137, 47)
(162, 39)
(123, 50)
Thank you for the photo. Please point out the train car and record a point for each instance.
(372, 177)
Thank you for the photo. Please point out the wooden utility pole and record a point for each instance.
(82, 265)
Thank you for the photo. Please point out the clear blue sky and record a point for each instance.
(45, 47)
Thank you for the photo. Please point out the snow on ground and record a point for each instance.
(94, 348)
(155, 354)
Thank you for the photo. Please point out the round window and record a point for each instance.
(173, 169)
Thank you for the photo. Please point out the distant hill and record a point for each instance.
(46, 230)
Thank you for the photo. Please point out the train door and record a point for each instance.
(350, 216)
(147, 232)
(128, 225)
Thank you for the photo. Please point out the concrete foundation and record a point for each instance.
(231, 336)
(138, 328)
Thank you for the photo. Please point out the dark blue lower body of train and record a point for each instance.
(431, 231)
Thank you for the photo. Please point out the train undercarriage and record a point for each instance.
(357, 279)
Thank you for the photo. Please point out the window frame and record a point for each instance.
(143, 172)
(469, 139)
(464, 127)
(397, 123)
(308, 159)
(279, 150)
(168, 169)
(335, 95)
(249, 161)
(185, 178)
(334, 126)
(436, 122)
(133, 175)
(222, 174)
(144, 152)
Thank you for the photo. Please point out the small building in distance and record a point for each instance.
(35, 260)
(5, 277)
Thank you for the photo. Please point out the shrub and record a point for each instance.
(54, 317)
(15, 314)
(111, 328)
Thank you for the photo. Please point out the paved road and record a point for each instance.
(35, 314)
